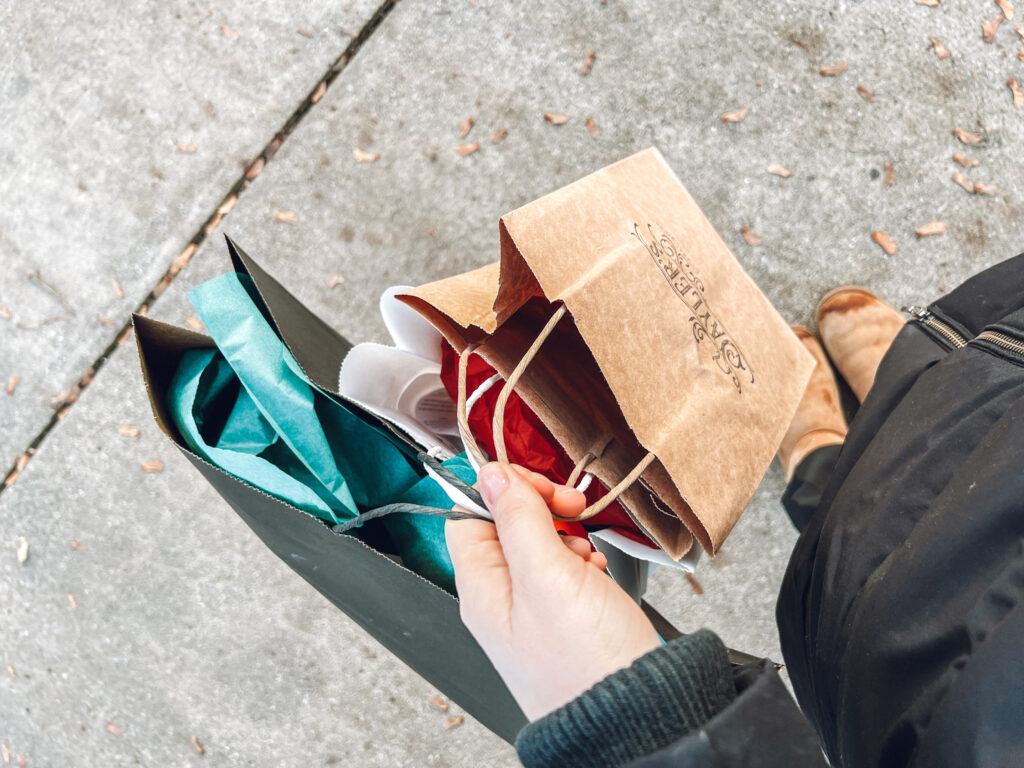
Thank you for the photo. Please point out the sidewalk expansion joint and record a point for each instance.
(207, 229)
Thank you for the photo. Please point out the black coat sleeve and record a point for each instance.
(681, 704)
(761, 728)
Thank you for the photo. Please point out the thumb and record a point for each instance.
(522, 518)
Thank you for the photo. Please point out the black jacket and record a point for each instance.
(901, 613)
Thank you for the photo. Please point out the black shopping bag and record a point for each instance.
(357, 570)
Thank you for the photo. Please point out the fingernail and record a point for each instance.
(493, 482)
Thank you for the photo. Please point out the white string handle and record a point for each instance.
(476, 455)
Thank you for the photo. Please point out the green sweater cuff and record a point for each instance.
(661, 697)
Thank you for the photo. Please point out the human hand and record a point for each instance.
(545, 613)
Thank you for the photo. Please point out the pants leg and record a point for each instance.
(804, 491)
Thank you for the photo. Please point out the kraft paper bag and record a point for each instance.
(669, 348)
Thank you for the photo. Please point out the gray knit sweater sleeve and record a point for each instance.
(662, 696)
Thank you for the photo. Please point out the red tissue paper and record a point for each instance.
(529, 443)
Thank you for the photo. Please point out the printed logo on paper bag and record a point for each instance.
(689, 287)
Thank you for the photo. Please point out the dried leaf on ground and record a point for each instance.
(1019, 29)
(594, 128)
(1020, 54)
(183, 258)
(72, 396)
(834, 69)
(865, 93)
(21, 760)
(5, 313)
(188, 149)
(226, 206)
(228, 32)
(780, 170)
(318, 94)
(694, 584)
(964, 182)
(73, 603)
(499, 135)
(304, 32)
(289, 217)
(162, 286)
(749, 236)
(255, 169)
(555, 118)
(986, 189)
(117, 289)
(75, 545)
(194, 323)
(929, 3)
(42, 323)
(467, 149)
(1018, 94)
(12, 384)
(198, 745)
(22, 551)
(439, 702)
(467, 126)
(588, 63)
(113, 729)
(735, 116)
(11, 670)
(890, 174)
(1007, 8)
(940, 50)
(452, 722)
(968, 137)
(5, 752)
(988, 29)
(37, 277)
(127, 430)
(18, 466)
(363, 156)
(334, 281)
(887, 243)
(212, 225)
(154, 465)
(931, 228)
(966, 162)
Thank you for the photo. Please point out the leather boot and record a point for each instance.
(857, 329)
(819, 419)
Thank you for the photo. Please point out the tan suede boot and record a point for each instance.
(857, 329)
(819, 419)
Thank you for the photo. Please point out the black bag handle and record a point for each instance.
(451, 514)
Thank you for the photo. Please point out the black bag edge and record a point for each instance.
(421, 624)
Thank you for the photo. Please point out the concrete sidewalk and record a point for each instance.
(147, 613)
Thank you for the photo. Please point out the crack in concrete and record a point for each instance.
(207, 228)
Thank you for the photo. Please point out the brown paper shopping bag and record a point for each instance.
(622, 319)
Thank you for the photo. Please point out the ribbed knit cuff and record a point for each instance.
(661, 697)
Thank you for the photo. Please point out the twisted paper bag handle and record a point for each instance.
(465, 405)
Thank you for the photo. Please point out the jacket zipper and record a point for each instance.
(924, 315)
(954, 337)
(1002, 340)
